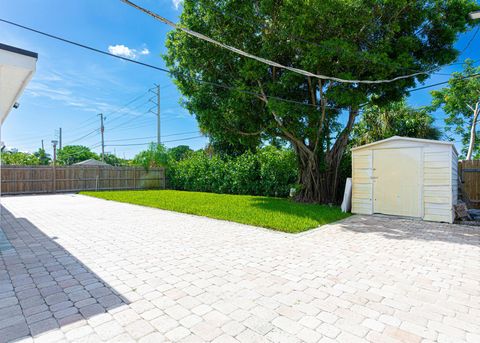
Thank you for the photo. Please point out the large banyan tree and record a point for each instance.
(241, 101)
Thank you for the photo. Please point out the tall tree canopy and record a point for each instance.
(179, 152)
(71, 154)
(155, 156)
(394, 119)
(461, 102)
(42, 156)
(350, 39)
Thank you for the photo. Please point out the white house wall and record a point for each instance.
(16, 70)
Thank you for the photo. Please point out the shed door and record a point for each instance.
(397, 181)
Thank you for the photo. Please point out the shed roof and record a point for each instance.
(92, 162)
(408, 139)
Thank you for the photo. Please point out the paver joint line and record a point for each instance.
(94, 270)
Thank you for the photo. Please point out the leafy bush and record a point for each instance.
(71, 154)
(270, 171)
(154, 156)
(19, 158)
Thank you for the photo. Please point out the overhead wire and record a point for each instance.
(163, 69)
(300, 39)
(444, 82)
(123, 107)
(261, 59)
(127, 121)
(211, 83)
(147, 143)
(149, 137)
(83, 137)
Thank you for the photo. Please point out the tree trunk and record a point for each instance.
(317, 181)
(473, 132)
(320, 177)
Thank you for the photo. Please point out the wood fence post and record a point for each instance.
(134, 178)
(54, 178)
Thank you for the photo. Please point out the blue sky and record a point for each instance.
(72, 85)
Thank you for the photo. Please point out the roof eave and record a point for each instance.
(411, 139)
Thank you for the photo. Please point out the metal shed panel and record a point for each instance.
(362, 182)
(438, 179)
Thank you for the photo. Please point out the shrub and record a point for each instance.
(18, 158)
(270, 171)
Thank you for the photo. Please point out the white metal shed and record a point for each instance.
(406, 177)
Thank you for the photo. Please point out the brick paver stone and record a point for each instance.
(80, 269)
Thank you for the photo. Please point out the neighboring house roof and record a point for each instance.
(17, 67)
(408, 139)
(92, 162)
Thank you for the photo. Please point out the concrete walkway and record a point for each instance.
(80, 269)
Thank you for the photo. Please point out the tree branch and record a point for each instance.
(278, 120)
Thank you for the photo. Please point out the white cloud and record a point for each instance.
(177, 3)
(122, 50)
(125, 51)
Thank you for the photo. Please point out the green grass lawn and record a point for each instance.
(274, 213)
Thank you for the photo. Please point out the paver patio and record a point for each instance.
(75, 268)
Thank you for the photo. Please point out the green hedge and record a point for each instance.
(270, 172)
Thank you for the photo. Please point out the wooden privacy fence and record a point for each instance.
(469, 174)
(48, 179)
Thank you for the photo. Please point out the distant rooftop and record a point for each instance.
(92, 162)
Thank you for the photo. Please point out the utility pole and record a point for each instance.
(157, 113)
(60, 139)
(102, 130)
(43, 147)
(54, 176)
(159, 140)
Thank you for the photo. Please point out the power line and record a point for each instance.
(445, 82)
(172, 73)
(136, 126)
(293, 37)
(147, 143)
(261, 59)
(128, 121)
(149, 137)
(84, 136)
(125, 106)
(471, 40)
(82, 45)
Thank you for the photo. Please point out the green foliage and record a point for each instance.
(270, 171)
(350, 39)
(274, 213)
(114, 160)
(394, 119)
(72, 154)
(458, 100)
(19, 158)
(155, 156)
(180, 152)
(43, 157)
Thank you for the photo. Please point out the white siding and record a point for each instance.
(439, 177)
(362, 181)
(454, 178)
(437, 183)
